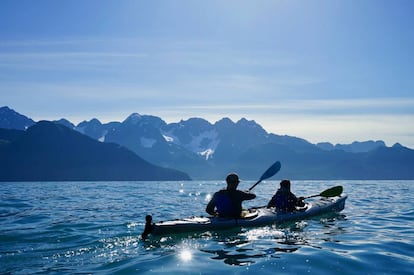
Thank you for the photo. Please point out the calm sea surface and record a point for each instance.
(95, 227)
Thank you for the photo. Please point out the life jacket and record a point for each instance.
(284, 202)
(225, 205)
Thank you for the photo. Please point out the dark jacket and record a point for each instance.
(285, 201)
(228, 203)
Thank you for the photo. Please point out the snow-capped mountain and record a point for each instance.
(195, 135)
(210, 151)
(195, 145)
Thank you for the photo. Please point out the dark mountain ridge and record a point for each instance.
(49, 151)
(10, 119)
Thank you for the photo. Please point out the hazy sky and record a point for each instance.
(335, 71)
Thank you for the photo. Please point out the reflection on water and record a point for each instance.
(243, 248)
(239, 258)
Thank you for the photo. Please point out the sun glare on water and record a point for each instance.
(208, 197)
(186, 255)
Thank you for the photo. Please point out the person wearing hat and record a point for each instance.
(228, 202)
(284, 200)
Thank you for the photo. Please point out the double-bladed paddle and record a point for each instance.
(270, 172)
(330, 192)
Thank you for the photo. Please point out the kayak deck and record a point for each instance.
(253, 217)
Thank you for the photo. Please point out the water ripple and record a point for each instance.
(95, 227)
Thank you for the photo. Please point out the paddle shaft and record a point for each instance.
(250, 189)
(270, 172)
(308, 197)
(330, 192)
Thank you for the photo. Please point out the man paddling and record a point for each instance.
(284, 200)
(228, 202)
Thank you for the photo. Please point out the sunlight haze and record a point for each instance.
(335, 71)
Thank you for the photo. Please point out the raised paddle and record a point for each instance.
(330, 192)
(270, 172)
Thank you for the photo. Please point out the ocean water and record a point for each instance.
(95, 228)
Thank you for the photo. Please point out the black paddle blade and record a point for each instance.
(271, 171)
(332, 192)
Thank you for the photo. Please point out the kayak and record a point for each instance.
(251, 218)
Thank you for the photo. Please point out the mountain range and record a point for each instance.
(209, 151)
(48, 151)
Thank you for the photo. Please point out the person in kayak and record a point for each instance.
(228, 202)
(284, 200)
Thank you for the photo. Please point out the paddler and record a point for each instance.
(228, 202)
(284, 200)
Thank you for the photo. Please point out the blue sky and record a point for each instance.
(335, 71)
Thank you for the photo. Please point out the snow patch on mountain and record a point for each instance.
(147, 142)
(102, 138)
(168, 138)
(207, 153)
(203, 144)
